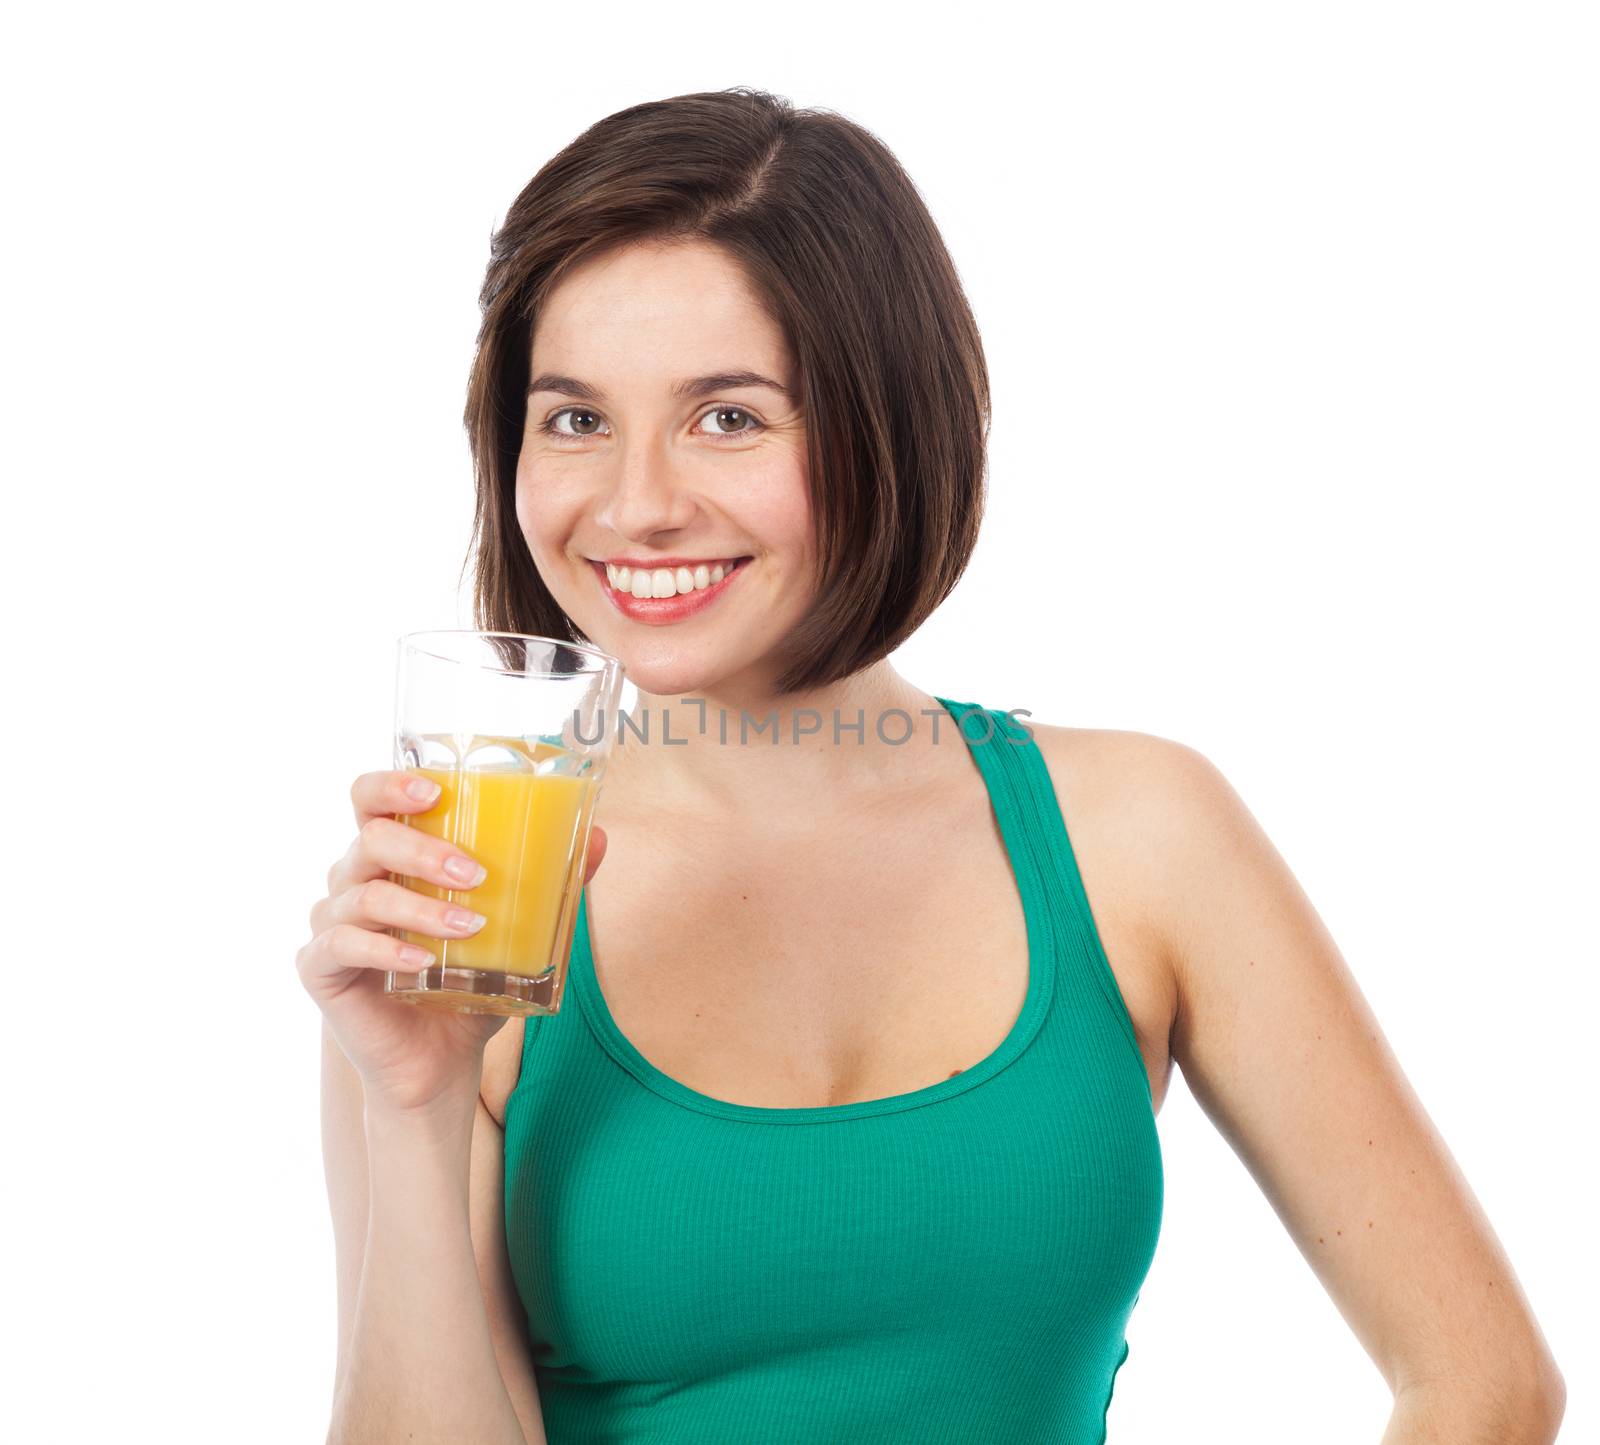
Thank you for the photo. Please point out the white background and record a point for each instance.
(1291, 313)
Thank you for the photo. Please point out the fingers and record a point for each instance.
(349, 951)
(386, 845)
(382, 903)
(354, 929)
(375, 795)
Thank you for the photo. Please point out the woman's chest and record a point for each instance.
(791, 973)
(794, 968)
(795, 971)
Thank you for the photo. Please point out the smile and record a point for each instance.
(667, 594)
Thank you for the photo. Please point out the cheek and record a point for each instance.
(522, 493)
(533, 523)
(794, 521)
(543, 508)
(523, 510)
(795, 529)
(779, 508)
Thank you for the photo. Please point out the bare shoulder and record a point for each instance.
(1150, 804)
(1176, 838)
(1124, 796)
(502, 1066)
(1132, 770)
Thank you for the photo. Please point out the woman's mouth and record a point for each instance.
(659, 595)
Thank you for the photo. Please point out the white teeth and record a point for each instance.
(665, 581)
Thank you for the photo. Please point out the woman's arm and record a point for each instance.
(1281, 1051)
(430, 1344)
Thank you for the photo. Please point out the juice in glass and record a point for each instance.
(524, 821)
(514, 729)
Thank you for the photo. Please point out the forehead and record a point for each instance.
(656, 307)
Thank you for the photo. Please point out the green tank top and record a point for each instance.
(956, 1264)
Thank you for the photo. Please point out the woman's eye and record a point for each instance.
(588, 418)
(585, 423)
(726, 411)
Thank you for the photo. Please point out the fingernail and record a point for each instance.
(424, 790)
(465, 919)
(465, 870)
(410, 953)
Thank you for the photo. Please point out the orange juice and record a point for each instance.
(525, 828)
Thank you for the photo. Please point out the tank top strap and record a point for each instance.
(1025, 801)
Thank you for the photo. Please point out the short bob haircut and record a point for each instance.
(836, 241)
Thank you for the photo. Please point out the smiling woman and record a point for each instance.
(843, 360)
(847, 1129)
(668, 501)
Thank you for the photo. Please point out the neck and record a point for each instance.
(738, 747)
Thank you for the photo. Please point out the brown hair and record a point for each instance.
(836, 241)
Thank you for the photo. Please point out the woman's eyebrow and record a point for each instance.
(691, 387)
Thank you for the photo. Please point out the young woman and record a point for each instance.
(845, 1129)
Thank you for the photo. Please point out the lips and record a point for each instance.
(659, 611)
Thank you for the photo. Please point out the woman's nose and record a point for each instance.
(645, 498)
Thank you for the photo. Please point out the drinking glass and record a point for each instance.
(516, 731)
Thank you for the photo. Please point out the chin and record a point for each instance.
(670, 670)
(670, 679)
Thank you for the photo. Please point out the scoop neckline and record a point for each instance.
(1041, 974)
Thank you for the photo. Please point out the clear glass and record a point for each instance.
(516, 731)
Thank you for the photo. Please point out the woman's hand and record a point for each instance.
(411, 1058)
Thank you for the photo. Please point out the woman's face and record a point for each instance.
(642, 450)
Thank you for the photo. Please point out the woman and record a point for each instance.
(846, 1131)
